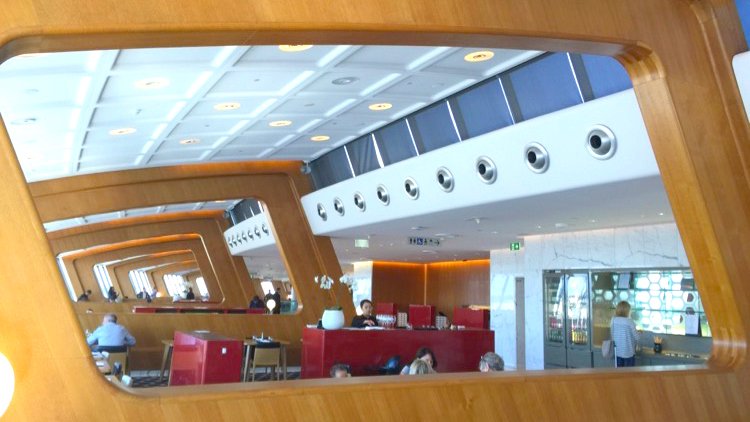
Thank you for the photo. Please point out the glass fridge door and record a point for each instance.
(554, 304)
(577, 298)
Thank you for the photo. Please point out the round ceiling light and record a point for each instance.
(190, 141)
(227, 106)
(320, 138)
(151, 83)
(122, 131)
(345, 80)
(280, 123)
(479, 56)
(380, 106)
(293, 48)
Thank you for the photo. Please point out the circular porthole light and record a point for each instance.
(479, 56)
(250, 235)
(380, 106)
(338, 206)
(411, 188)
(151, 83)
(322, 212)
(537, 158)
(486, 170)
(294, 48)
(445, 179)
(122, 131)
(190, 141)
(382, 194)
(601, 142)
(264, 228)
(257, 231)
(320, 138)
(280, 123)
(227, 106)
(359, 201)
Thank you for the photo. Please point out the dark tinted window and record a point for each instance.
(606, 75)
(433, 128)
(362, 155)
(394, 142)
(330, 168)
(481, 109)
(542, 86)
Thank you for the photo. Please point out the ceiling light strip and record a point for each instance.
(349, 161)
(379, 84)
(198, 83)
(377, 151)
(83, 89)
(158, 131)
(296, 82)
(331, 55)
(309, 125)
(176, 109)
(340, 106)
(237, 126)
(262, 107)
(507, 103)
(223, 54)
(75, 115)
(147, 146)
(453, 120)
(426, 57)
(411, 135)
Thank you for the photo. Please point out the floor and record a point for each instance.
(145, 379)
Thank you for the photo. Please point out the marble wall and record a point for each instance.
(629, 247)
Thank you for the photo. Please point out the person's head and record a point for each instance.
(623, 309)
(419, 367)
(340, 370)
(88, 292)
(190, 289)
(366, 307)
(110, 318)
(491, 362)
(426, 355)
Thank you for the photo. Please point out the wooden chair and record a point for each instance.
(121, 357)
(267, 355)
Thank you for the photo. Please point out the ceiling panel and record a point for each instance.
(259, 82)
(124, 113)
(258, 55)
(195, 127)
(174, 157)
(148, 56)
(41, 89)
(248, 106)
(379, 55)
(429, 85)
(237, 154)
(259, 139)
(124, 84)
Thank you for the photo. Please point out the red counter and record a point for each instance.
(205, 358)
(456, 351)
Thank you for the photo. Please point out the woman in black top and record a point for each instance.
(366, 319)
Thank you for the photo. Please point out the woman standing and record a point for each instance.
(624, 335)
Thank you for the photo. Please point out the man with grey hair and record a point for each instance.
(491, 362)
(111, 336)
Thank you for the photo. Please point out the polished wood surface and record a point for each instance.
(399, 283)
(678, 53)
(452, 284)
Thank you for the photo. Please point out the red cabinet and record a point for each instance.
(471, 318)
(366, 350)
(422, 315)
(205, 358)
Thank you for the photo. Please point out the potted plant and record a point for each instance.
(333, 317)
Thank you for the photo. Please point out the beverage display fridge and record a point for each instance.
(567, 320)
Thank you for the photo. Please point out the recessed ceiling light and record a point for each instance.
(293, 48)
(151, 83)
(661, 213)
(320, 138)
(479, 56)
(560, 225)
(122, 131)
(190, 141)
(380, 106)
(280, 123)
(227, 106)
(345, 80)
(24, 121)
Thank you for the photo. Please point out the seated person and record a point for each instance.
(257, 303)
(84, 297)
(419, 367)
(341, 370)
(366, 319)
(111, 294)
(491, 362)
(190, 295)
(426, 355)
(110, 336)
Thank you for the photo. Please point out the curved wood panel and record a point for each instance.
(677, 52)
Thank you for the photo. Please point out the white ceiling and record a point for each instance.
(60, 108)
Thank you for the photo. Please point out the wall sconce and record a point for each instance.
(7, 383)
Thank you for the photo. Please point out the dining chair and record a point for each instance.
(267, 355)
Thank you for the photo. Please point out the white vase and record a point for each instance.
(333, 319)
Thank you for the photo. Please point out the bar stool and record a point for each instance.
(168, 345)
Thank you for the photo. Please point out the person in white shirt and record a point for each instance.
(624, 335)
(111, 336)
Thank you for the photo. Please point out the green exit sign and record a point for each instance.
(515, 246)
